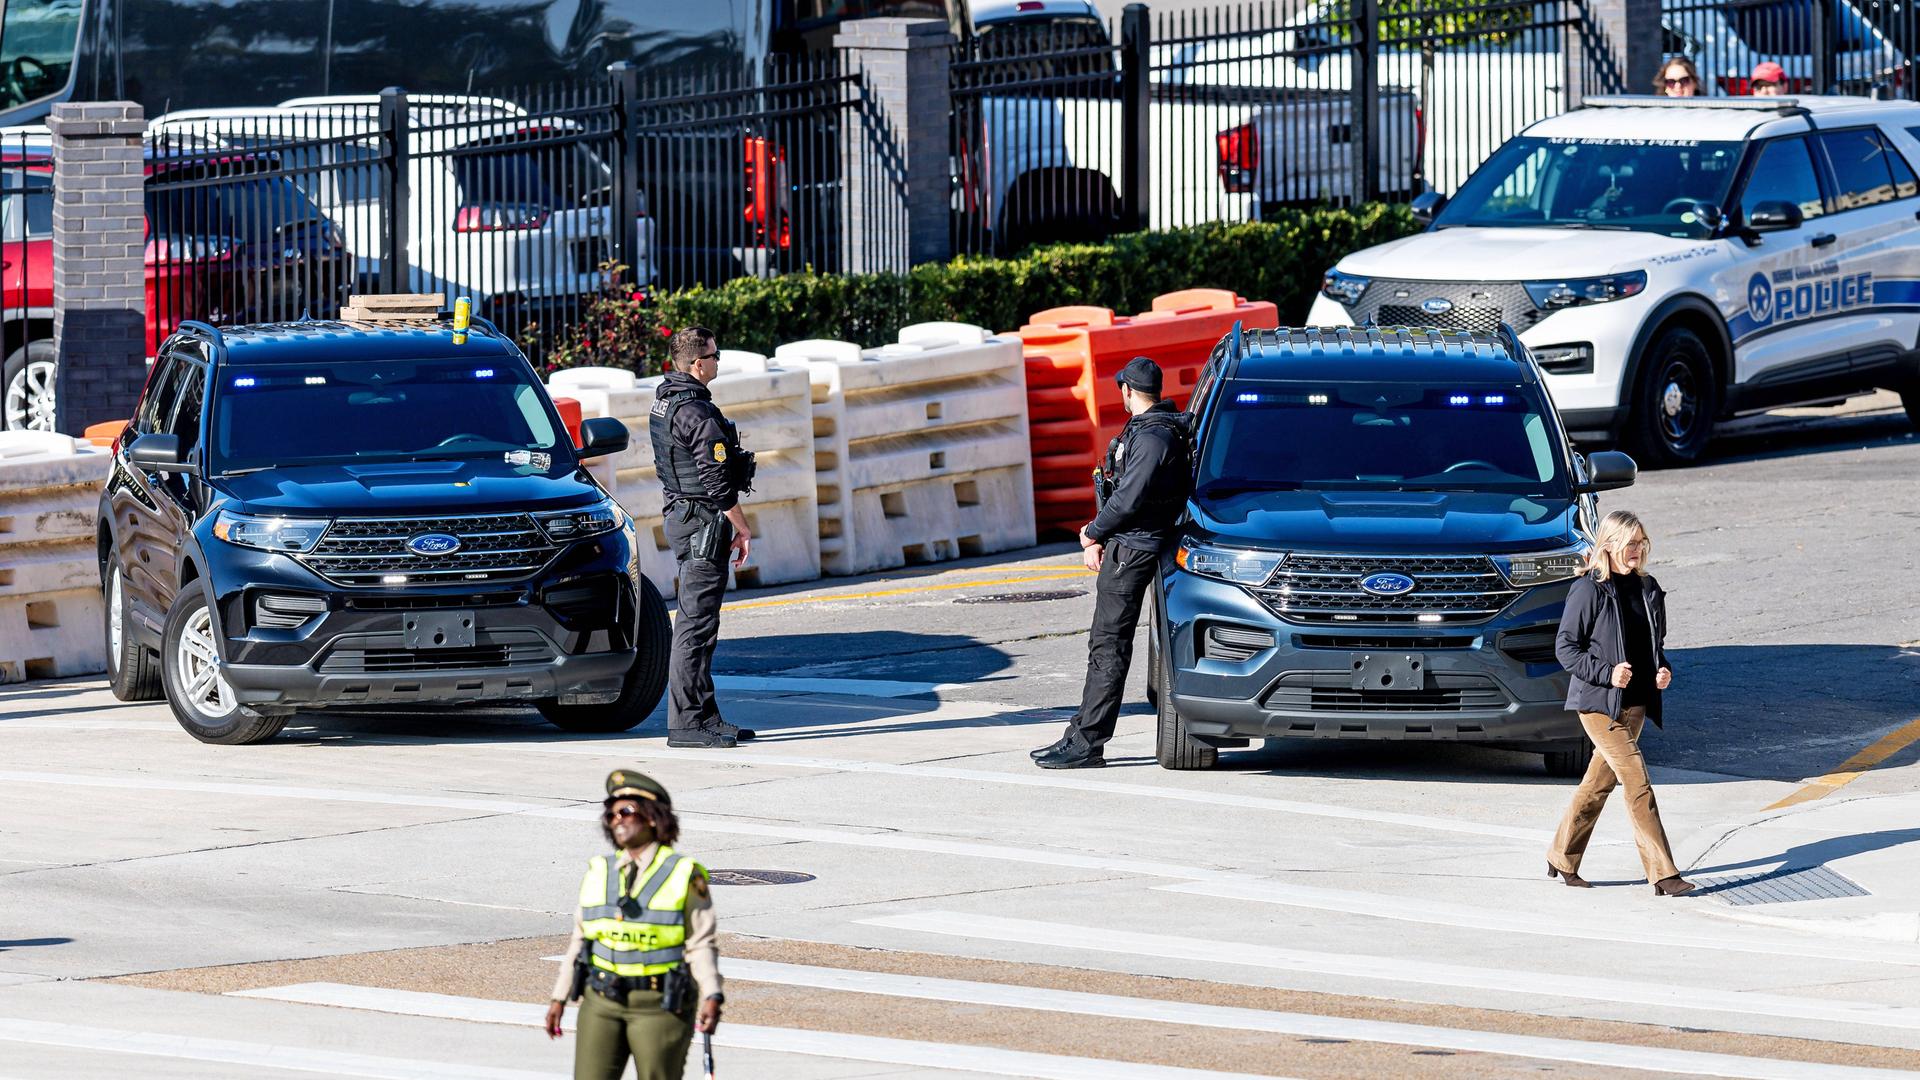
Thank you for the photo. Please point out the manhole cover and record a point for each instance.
(757, 877)
(1023, 597)
(1782, 886)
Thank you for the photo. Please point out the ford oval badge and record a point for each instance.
(1438, 305)
(433, 544)
(1386, 584)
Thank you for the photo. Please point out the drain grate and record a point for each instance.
(1782, 886)
(1022, 597)
(757, 877)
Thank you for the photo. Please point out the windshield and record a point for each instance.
(1666, 186)
(1379, 436)
(366, 411)
(249, 210)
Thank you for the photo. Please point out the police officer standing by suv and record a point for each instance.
(696, 450)
(1142, 488)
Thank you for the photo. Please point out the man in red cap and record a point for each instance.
(1768, 79)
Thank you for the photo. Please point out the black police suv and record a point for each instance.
(315, 513)
(1384, 526)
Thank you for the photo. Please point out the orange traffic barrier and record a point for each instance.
(105, 432)
(1073, 404)
(570, 416)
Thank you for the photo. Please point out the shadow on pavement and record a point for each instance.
(1735, 712)
(26, 943)
(1820, 851)
(909, 656)
(1811, 435)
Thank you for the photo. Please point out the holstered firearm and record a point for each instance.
(677, 990)
(711, 540)
(581, 968)
(1104, 478)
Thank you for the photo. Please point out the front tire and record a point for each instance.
(202, 701)
(645, 684)
(1570, 761)
(133, 672)
(1172, 745)
(26, 387)
(1674, 401)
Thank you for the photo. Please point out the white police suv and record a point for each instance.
(1675, 261)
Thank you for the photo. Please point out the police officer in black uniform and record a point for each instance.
(1144, 483)
(696, 450)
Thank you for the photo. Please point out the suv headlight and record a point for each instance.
(1542, 567)
(269, 533)
(1342, 288)
(562, 525)
(1238, 565)
(1554, 295)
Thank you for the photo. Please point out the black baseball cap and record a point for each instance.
(1142, 374)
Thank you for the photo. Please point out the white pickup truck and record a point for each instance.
(1038, 139)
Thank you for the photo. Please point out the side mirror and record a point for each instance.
(158, 453)
(1608, 470)
(1426, 206)
(1775, 215)
(600, 436)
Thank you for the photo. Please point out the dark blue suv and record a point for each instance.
(1383, 529)
(333, 513)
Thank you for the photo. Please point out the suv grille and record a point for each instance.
(493, 547)
(1478, 306)
(1312, 691)
(1326, 589)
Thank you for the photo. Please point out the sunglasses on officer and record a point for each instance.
(620, 812)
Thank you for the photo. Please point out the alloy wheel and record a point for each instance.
(197, 668)
(30, 400)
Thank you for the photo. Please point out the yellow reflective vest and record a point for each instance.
(644, 930)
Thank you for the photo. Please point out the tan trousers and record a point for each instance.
(1616, 761)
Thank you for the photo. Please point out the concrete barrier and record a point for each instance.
(51, 616)
(920, 447)
(770, 404)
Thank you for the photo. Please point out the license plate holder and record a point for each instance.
(1387, 671)
(438, 629)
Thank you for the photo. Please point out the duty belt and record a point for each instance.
(617, 987)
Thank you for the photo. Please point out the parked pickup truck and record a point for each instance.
(1038, 140)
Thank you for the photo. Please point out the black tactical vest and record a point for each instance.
(679, 472)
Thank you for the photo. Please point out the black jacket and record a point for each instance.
(699, 443)
(1590, 643)
(1153, 461)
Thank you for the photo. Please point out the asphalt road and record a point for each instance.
(376, 894)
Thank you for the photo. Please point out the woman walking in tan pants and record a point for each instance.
(1613, 642)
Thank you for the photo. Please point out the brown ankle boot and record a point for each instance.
(1572, 879)
(1673, 886)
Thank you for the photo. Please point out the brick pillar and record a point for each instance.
(1622, 46)
(895, 145)
(99, 275)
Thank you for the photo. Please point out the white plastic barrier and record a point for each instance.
(920, 447)
(50, 609)
(769, 404)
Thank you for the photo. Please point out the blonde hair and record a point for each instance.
(1660, 76)
(1615, 531)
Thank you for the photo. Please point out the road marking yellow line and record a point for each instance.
(907, 591)
(1854, 767)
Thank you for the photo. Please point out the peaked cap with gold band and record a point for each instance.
(634, 784)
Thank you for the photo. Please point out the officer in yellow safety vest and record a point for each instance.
(645, 935)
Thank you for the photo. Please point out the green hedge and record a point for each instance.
(1279, 260)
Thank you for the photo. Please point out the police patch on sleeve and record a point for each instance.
(720, 451)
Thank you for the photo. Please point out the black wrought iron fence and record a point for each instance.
(531, 201)
(1044, 123)
(1821, 46)
(26, 282)
(1224, 113)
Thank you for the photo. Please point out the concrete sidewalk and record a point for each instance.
(1870, 840)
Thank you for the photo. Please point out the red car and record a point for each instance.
(229, 239)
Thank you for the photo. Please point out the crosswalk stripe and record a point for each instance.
(1307, 1025)
(753, 756)
(1603, 927)
(1402, 969)
(250, 1054)
(957, 1057)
